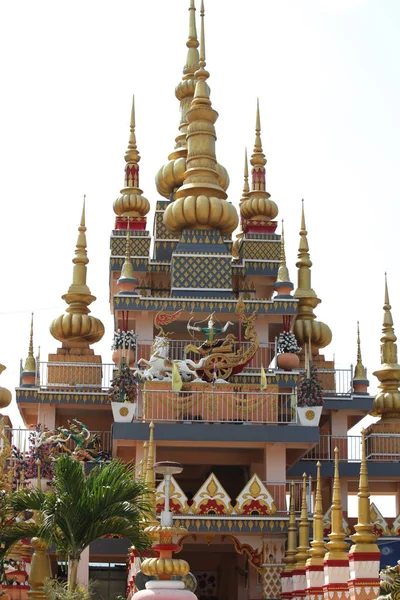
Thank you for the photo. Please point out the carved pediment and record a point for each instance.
(211, 498)
(255, 499)
(178, 499)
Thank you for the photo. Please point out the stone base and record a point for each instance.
(315, 582)
(365, 589)
(336, 591)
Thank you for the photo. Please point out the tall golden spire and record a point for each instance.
(171, 176)
(150, 475)
(387, 401)
(359, 371)
(307, 329)
(258, 206)
(77, 325)
(245, 194)
(290, 555)
(283, 271)
(364, 539)
(336, 546)
(131, 202)
(303, 547)
(317, 551)
(30, 363)
(201, 202)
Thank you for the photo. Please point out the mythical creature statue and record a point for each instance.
(60, 440)
(159, 367)
(390, 583)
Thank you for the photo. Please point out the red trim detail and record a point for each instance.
(336, 563)
(355, 556)
(135, 223)
(172, 547)
(315, 568)
(364, 580)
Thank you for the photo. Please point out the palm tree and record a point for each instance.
(80, 509)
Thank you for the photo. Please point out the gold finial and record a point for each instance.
(258, 206)
(387, 401)
(30, 363)
(127, 268)
(291, 551)
(200, 203)
(303, 547)
(150, 475)
(171, 176)
(132, 203)
(336, 546)
(145, 457)
(359, 372)
(283, 271)
(258, 157)
(317, 551)
(77, 325)
(246, 188)
(307, 328)
(364, 539)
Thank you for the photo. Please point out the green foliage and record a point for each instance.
(54, 589)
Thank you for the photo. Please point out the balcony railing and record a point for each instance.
(280, 491)
(86, 376)
(379, 447)
(217, 407)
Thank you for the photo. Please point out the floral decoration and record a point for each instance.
(287, 343)
(124, 339)
(309, 392)
(123, 385)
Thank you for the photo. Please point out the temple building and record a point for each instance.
(219, 349)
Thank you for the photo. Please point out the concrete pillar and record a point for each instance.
(83, 568)
(275, 473)
(47, 416)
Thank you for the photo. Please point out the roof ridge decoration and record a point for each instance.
(254, 499)
(201, 201)
(170, 177)
(211, 497)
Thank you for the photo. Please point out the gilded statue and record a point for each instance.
(211, 332)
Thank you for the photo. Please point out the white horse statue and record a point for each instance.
(160, 367)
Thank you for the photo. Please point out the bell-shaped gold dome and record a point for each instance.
(259, 208)
(316, 332)
(171, 176)
(77, 325)
(131, 204)
(5, 394)
(201, 212)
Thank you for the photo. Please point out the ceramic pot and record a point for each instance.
(287, 361)
(309, 416)
(121, 353)
(123, 412)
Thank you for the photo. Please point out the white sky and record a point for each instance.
(327, 75)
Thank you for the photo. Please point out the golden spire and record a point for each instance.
(145, 456)
(150, 475)
(307, 329)
(364, 539)
(283, 271)
(336, 546)
(131, 203)
(258, 206)
(359, 372)
(317, 551)
(171, 176)
(30, 363)
(246, 188)
(387, 402)
(77, 325)
(201, 201)
(291, 550)
(303, 547)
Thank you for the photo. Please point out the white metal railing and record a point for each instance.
(74, 375)
(379, 447)
(217, 407)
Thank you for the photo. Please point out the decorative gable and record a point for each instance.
(211, 499)
(177, 501)
(255, 499)
(380, 524)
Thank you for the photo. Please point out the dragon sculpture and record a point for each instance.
(390, 583)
